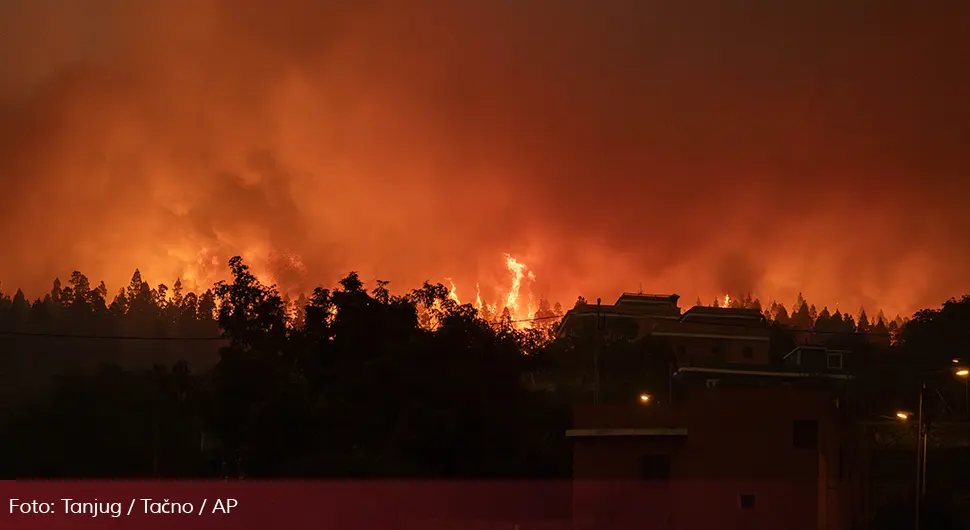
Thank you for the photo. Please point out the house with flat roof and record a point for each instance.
(725, 458)
(717, 335)
(630, 317)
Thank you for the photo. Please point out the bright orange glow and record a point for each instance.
(453, 291)
(413, 143)
(644, 398)
(963, 372)
(519, 311)
(727, 301)
(512, 298)
(902, 415)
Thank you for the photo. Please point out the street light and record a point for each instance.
(965, 374)
(921, 432)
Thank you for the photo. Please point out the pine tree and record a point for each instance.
(849, 325)
(823, 322)
(862, 324)
(802, 318)
(80, 289)
(799, 301)
(177, 293)
(780, 315)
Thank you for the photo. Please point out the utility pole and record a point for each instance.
(920, 454)
(922, 436)
(596, 353)
(155, 447)
(966, 396)
(926, 431)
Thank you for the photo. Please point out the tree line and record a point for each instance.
(348, 381)
(807, 316)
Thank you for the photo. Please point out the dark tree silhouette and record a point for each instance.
(353, 380)
(862, 324)
(802, 318)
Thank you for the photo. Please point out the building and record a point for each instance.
(820, 359)
(705, 345)
(717, 335)
(723, 458)
(736, 434)
(699, 336)
(631, 317)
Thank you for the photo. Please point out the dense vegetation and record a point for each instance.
(348, 381)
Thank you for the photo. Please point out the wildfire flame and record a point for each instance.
(202, 265)
(727, 301)
(520, 274)
(453, 291)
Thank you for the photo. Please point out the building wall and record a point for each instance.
(740, 441)
(686, 384)
(703, 351)
(705, 343)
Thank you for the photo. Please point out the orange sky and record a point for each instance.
(687, 147)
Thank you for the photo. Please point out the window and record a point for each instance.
(833, 361)
(655, 467)
(746, 500)
(805, 434)
(715, 350)
(712, 383)
(747, 352)
(681, 351)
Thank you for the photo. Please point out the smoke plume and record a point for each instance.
(690, 147)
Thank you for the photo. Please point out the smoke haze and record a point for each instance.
(693, 147)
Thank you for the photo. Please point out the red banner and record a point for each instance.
(728, 503)
(318, 505)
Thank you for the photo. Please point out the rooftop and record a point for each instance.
(705, 312)
(634, 304)
(641, 298)
(781, 371)
(814, 348)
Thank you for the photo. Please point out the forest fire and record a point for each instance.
(518, 311)
(143, 152)
(322, 239)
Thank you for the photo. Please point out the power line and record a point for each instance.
(519, 321)
(742, 325)
(515, 321)
(103, 337)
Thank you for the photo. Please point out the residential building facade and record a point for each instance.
(631, 317)
(716, 335)
(723, 458)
